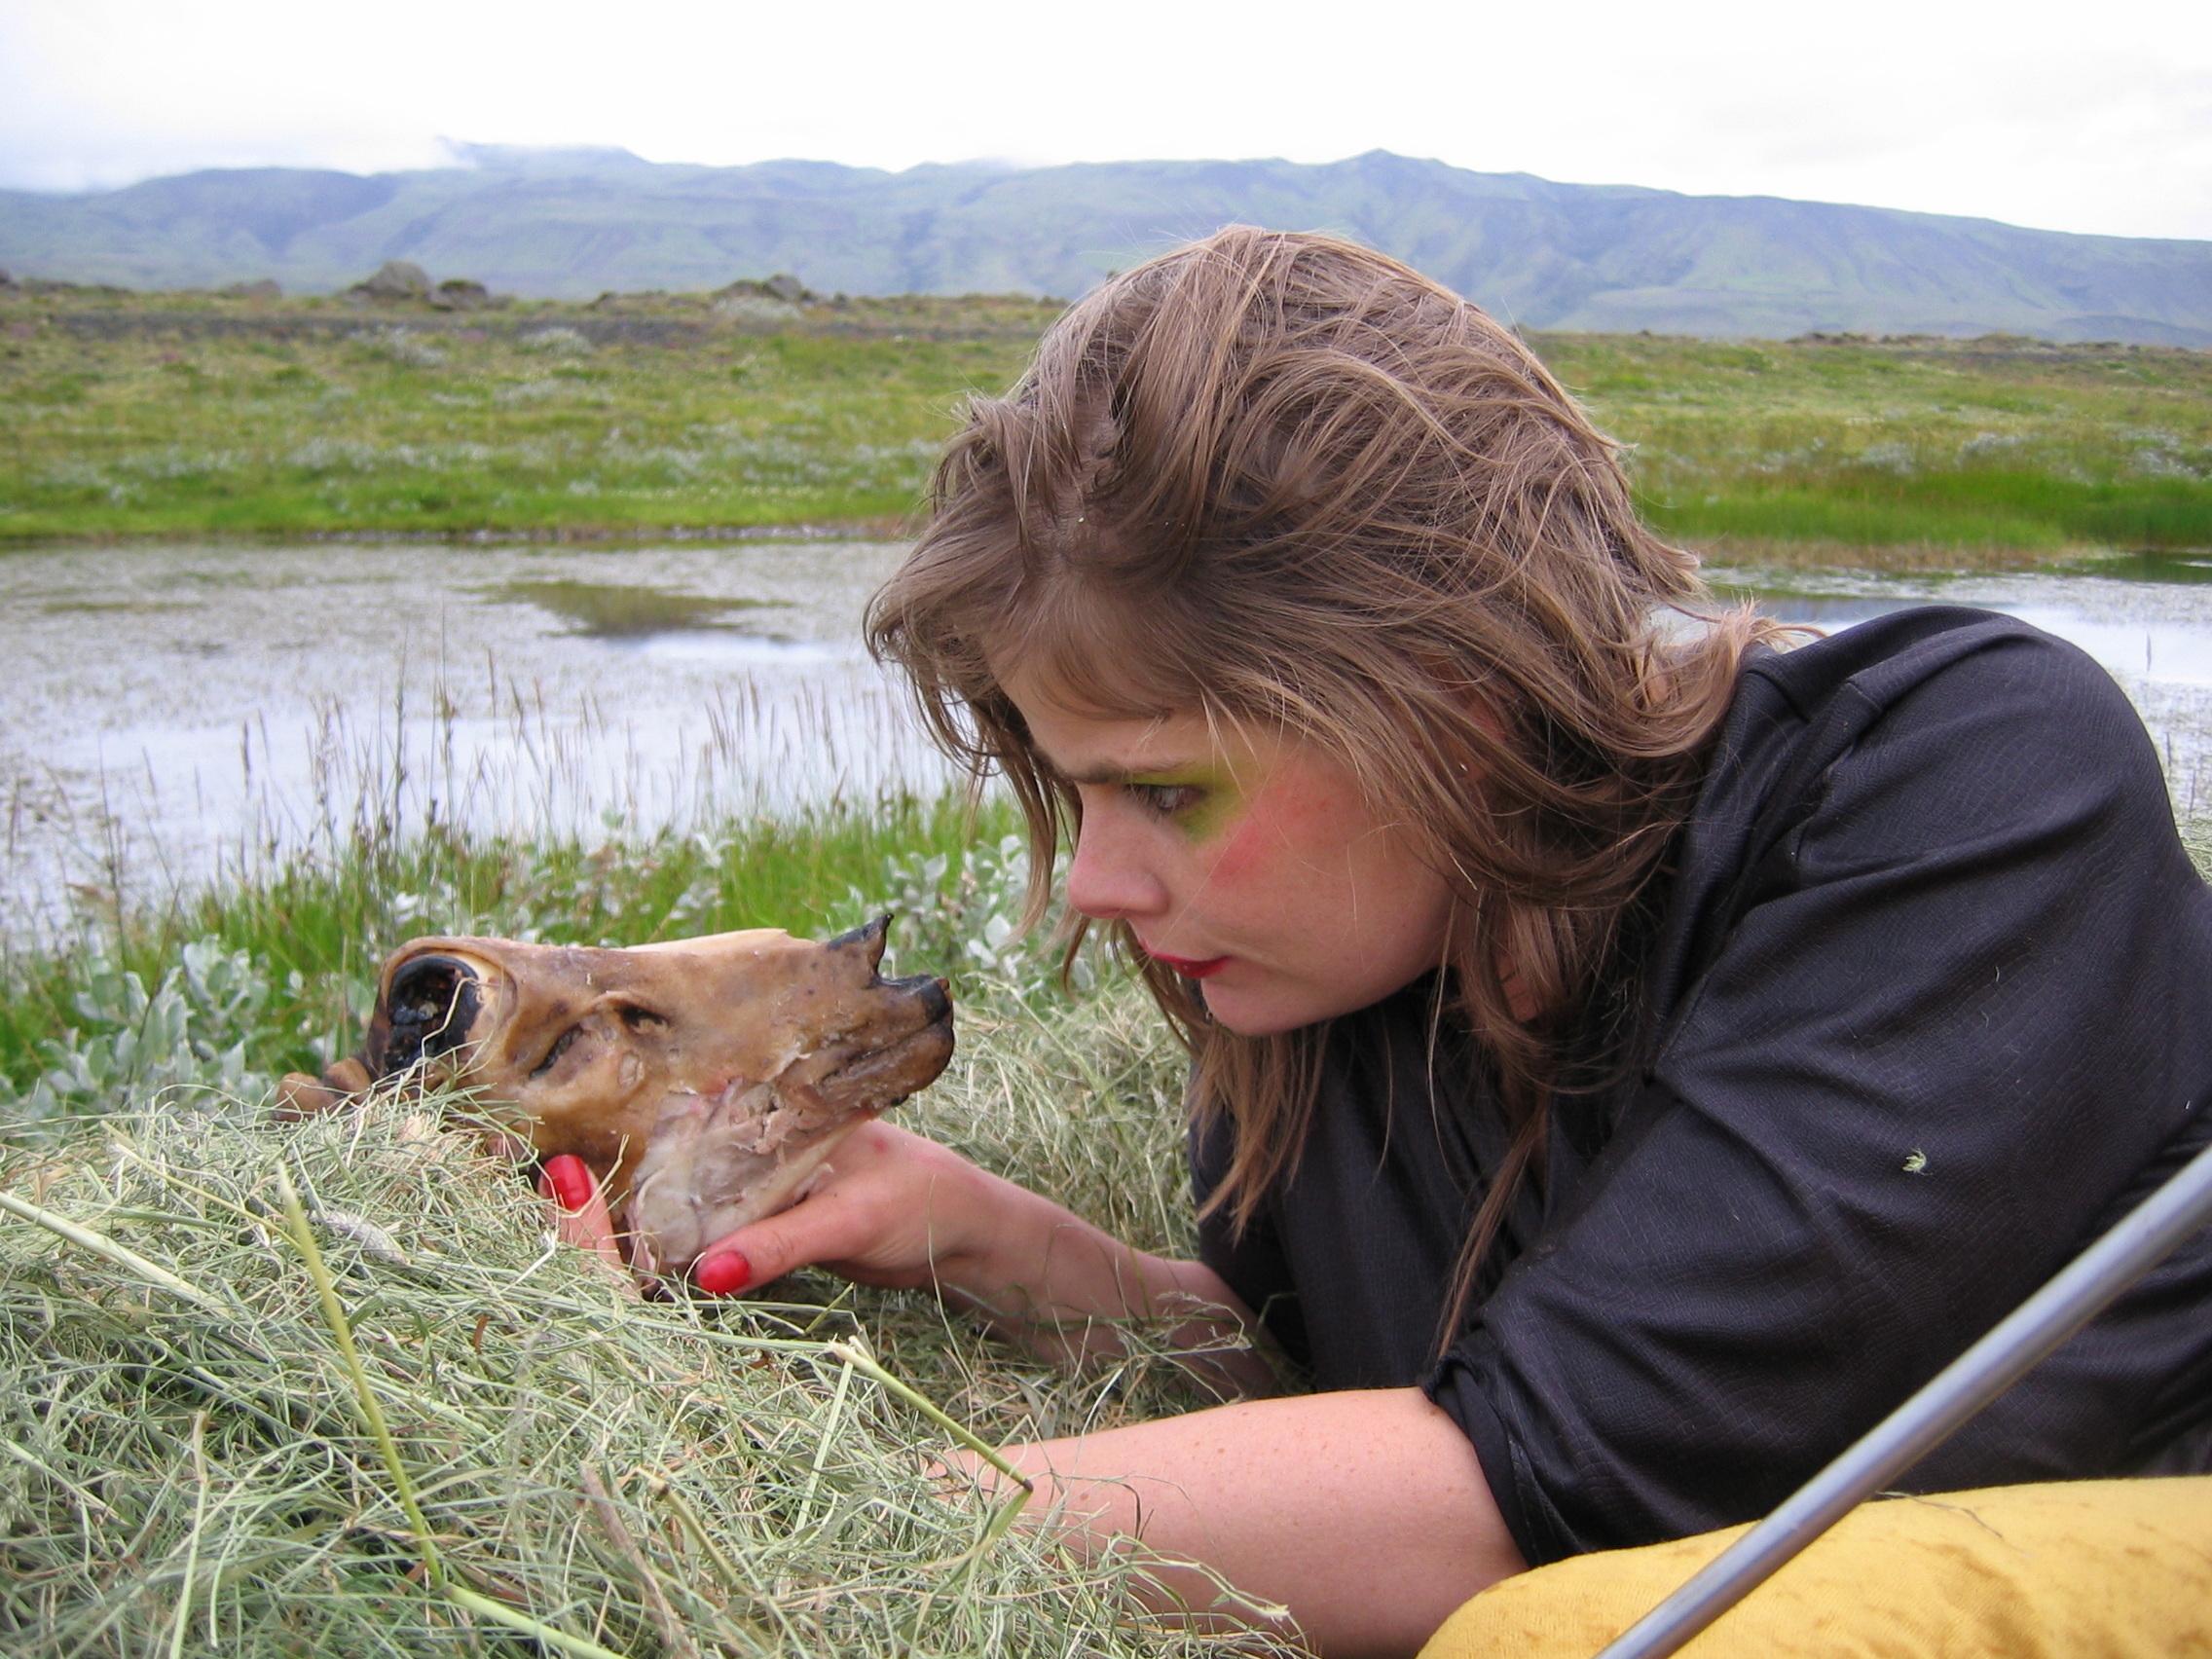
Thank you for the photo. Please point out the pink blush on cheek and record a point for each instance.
(1242, 851)
(1284, 815)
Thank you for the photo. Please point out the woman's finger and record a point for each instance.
(826, 1228)
(567, 1184)
(887, 1213)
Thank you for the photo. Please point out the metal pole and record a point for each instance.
(2083, 1290)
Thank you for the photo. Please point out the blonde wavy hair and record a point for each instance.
(1285, 482)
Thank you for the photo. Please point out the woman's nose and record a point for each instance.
(1108, 879)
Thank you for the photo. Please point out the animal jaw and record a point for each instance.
(716, 1162)
(704, 1081)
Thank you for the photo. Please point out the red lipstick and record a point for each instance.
(1191, 970)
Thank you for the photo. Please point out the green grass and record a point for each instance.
(128, 417)
(613, 610)
(1916, 451)
(518, 423)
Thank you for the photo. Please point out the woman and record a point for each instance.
(1628, 1057)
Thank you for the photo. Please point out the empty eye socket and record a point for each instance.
(561, 1045)
(632, 1017)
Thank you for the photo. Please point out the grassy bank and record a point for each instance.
(161, 415)
(230, 417)
(1992, 446)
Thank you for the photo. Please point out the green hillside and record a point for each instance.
(205, 416)
(570, 223)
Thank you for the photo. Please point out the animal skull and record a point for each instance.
(705, 1081)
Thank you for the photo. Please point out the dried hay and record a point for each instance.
(189, 1461)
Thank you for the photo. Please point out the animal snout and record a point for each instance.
(930, 991)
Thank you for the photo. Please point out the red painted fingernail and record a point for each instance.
(571, 1180)
(722, 1273)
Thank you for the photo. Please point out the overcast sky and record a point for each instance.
(2071, 117)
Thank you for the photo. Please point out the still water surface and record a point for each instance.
(170, 714)
(2147, 619)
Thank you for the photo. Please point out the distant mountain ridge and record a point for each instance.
(573, 223)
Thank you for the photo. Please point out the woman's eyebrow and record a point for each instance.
(1103, 773)
(1107, 772)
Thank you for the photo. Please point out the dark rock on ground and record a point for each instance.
(461, 293)
(47, 285)
(782, 286)
(396, 280)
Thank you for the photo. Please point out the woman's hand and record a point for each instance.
(891, 1208)
(895, 1209)
(567, 1184)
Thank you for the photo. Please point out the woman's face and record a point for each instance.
(1251, 863)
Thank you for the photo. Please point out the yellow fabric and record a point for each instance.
(2082, 1570)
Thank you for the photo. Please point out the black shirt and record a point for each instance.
(1927, 1007)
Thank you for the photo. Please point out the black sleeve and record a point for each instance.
(1964, 1005)
(1251, 1259)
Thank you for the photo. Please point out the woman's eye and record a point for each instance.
(1167, 799)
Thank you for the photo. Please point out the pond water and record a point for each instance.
(2146, 618)
(170, 714)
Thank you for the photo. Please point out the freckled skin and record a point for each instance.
(1243, 848)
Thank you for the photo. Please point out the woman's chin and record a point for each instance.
(1262, 1010)
(1252, 1002)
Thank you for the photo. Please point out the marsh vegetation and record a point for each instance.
(1901, 455)
(214, 416)
(162, 415)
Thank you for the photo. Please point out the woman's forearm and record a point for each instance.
(1364, 1513)
(1050, 1279)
